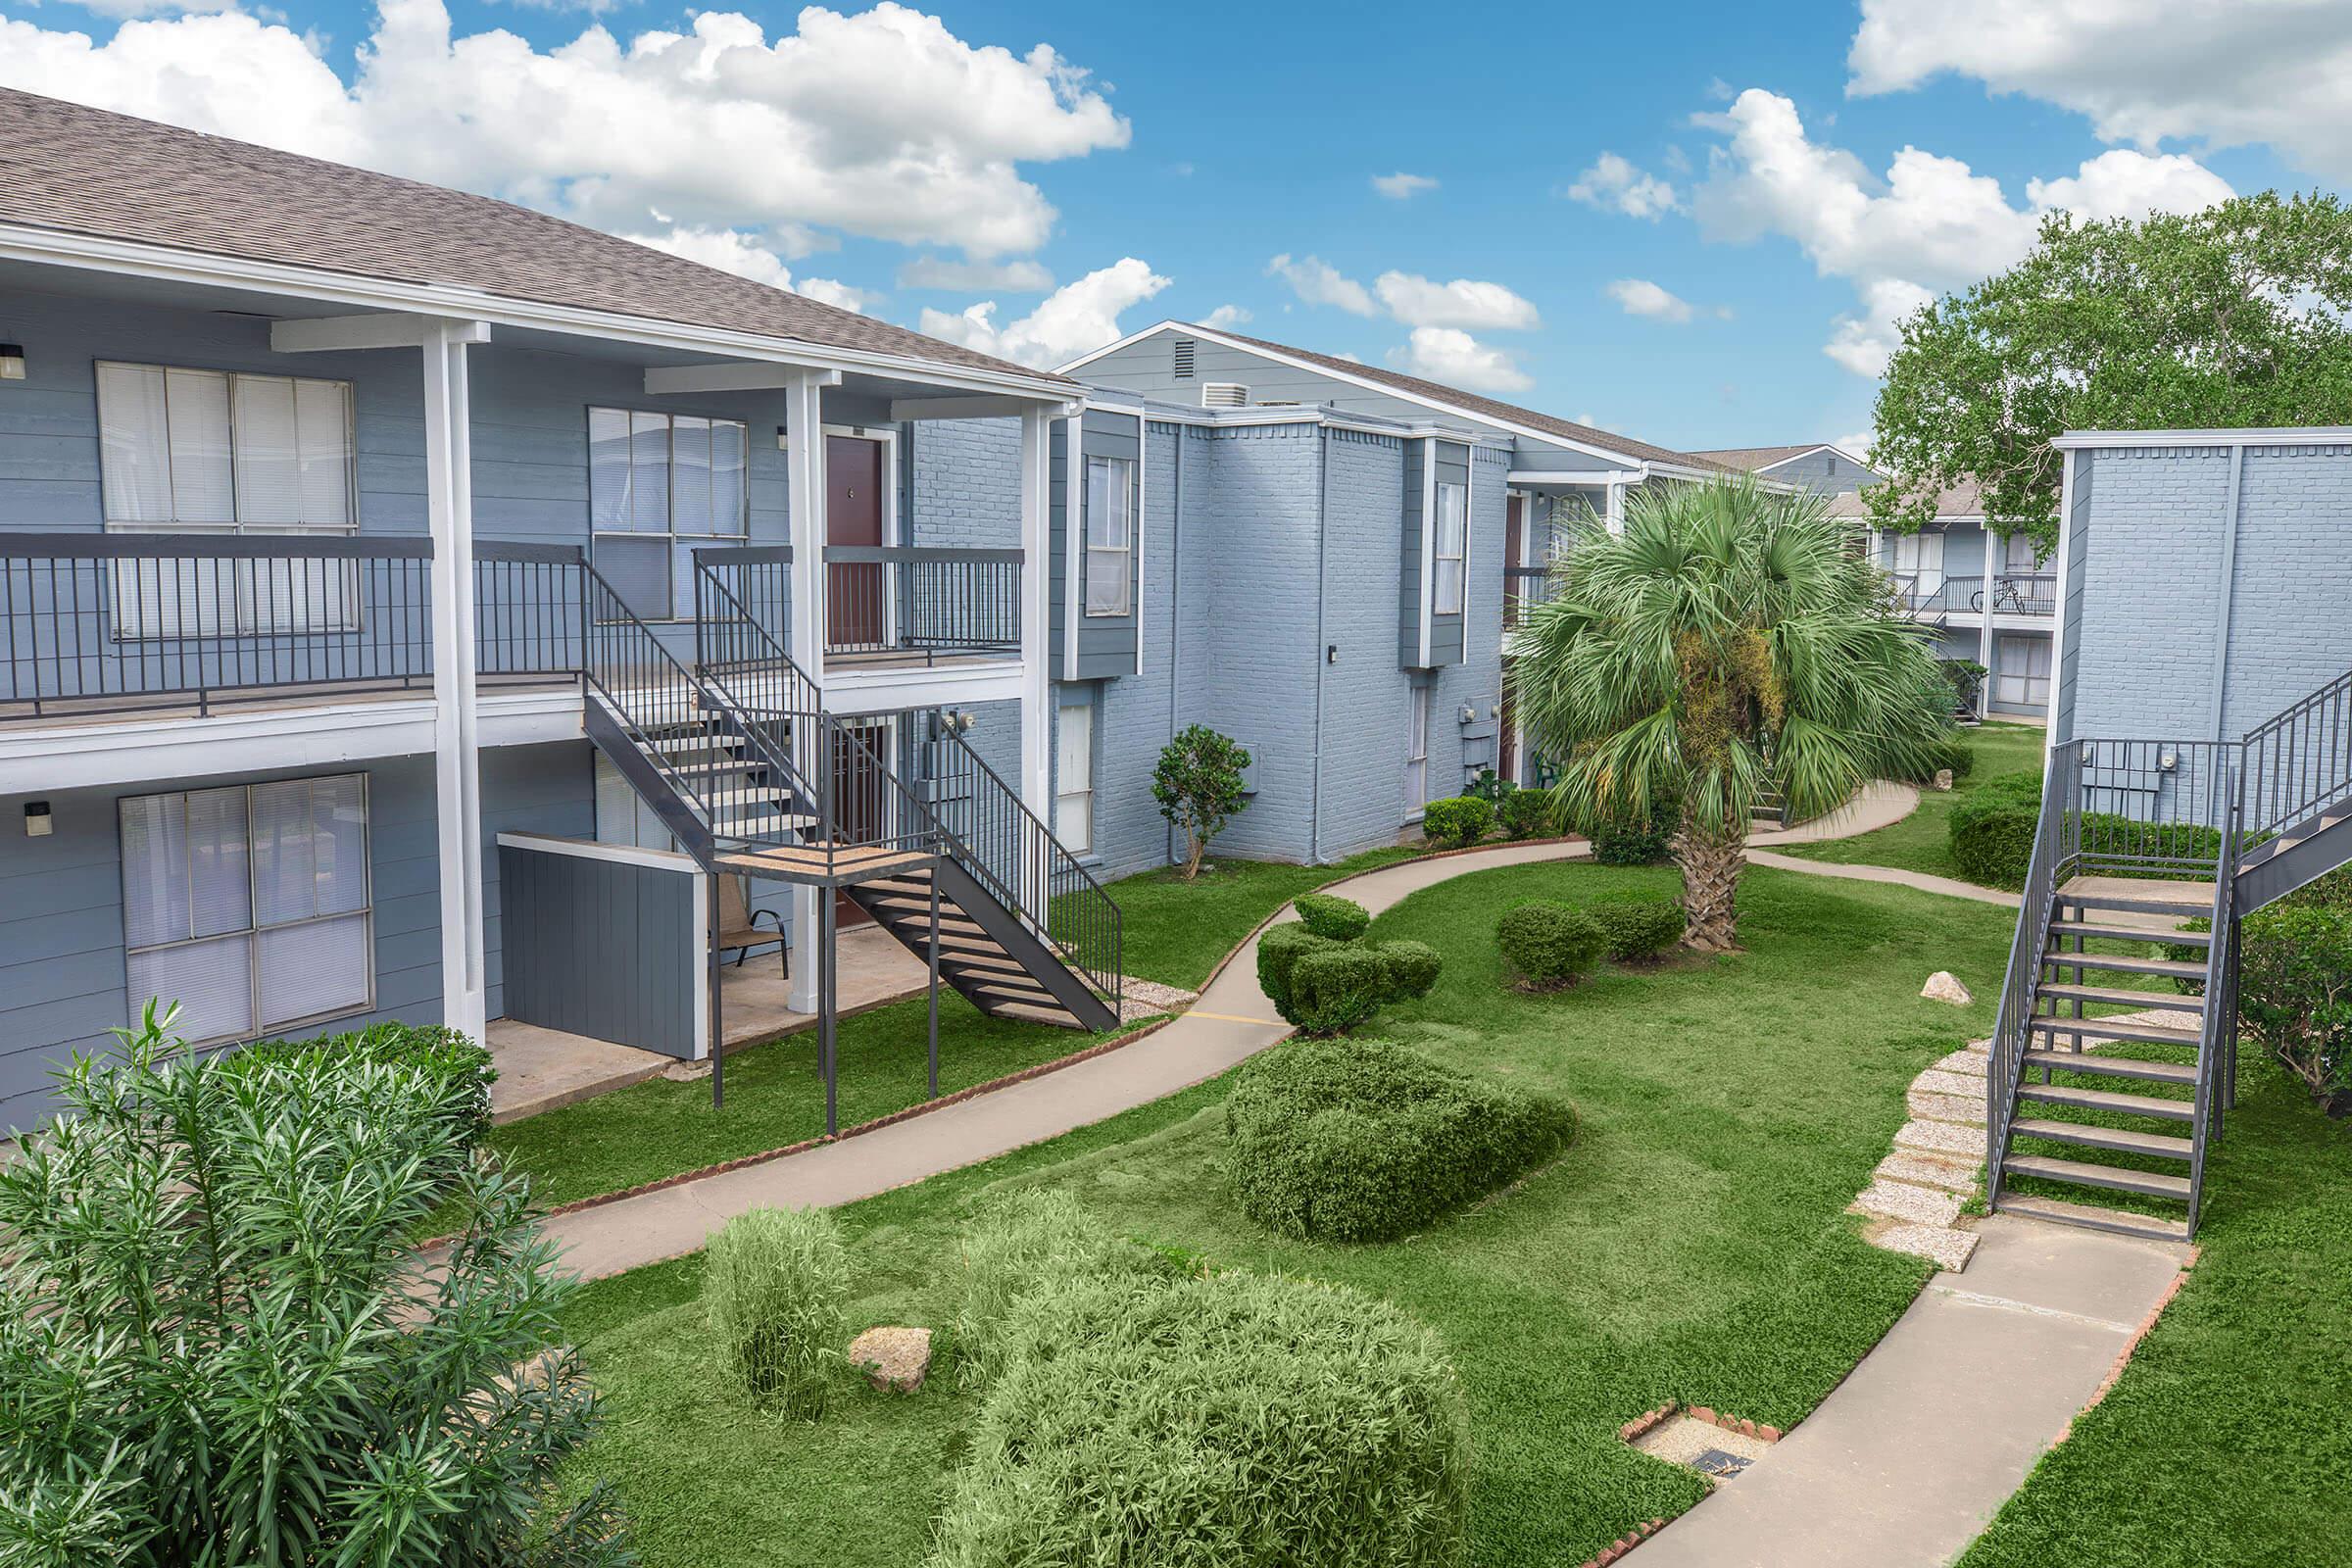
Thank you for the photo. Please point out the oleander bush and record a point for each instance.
(1207, 1420)
(773, 1287)
(1364, 1139)
(1528, 815)
(460, 1066)
(1019, 1246)
(1334, 989)
(1412, 969)
(219, 1345)
(2295, 982)
(1327, 915)
(1639, 932)
(1457, 824)
(1550, 944)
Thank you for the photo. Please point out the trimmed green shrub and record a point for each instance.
(1528, 815)
(1457, 824)
(1548, 944)
(1412, 969)
(1992, 831)
(1363, 1140)
(772, 1287)
(1327, 915)
(1278, 949)
(1022, 1245)
(1337, 987)
(460, 1066)
(1205, 1421)
(1645, 839)
(1638, 932)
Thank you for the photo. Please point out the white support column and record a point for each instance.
(1996, 549)
(457, 756)
(1037, 569)
(805, 503)
(1614, 501)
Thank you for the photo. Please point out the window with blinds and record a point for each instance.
(185, 451)
(1110, 535)
(249, 905)
(654, 480)
(1452, 544)
(1074, 777)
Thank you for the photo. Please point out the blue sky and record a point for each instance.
(1695, 224)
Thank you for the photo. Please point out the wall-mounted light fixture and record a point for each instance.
(37, 820)
(12, 362)
(783, 439)
(1331, 653)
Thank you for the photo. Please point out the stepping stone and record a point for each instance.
(894, 1359)
(1949, 1248)
(1923, 1205)
(1969, 1061)
(1936, 1081)
(1966, 1111)
(1920, 1172)
(1942, 1138)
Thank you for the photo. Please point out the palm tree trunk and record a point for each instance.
(1711, 865)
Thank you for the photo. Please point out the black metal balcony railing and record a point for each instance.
(2030, 593)
(1522, 587)
(913, 599)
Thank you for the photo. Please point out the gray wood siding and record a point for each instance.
(1409, 589)
(1446, 636)
(601, 949)
(1106, 644)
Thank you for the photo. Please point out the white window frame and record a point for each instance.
(264, 1028)
(1416, 751)
(139, 596)
(1119, 481)
(671, 534)
(2019, 687)
(1921, 573)
(1063, 793)
(1443, 602)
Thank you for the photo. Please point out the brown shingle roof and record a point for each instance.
(1755, 458)
(1489, 408)
(1959, 502)
(85, 170)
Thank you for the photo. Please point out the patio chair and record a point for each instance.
(739, 924)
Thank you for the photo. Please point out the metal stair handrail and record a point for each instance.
(2217, 1037)
(2029, 946)
(2297, 761)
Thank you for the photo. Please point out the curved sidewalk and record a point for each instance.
(1232, 1021)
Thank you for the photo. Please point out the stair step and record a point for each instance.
(1029, 991)
(1921, 1171)
(1057, 1015)
(2156, 1146)
(2115, 1178)
(2091, 1216)
(2178, 908)
(2110, 1100)
(2155, 1034)
(2164, 1001)
(1921, 1205)
(2159, 1072)
(2172, 968)
(920, 887)
(2125, 933)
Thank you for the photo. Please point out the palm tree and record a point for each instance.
(1731, 642)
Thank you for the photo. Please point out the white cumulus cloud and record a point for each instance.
(733, 251)
(883, 124)
(1226, 316)
(1079, 316)
(2232, 72)
(1614, 184)
(1318, 282)
(1470, 302)
(1451, 355)
(1021, 276)
(1400, 186)
(1639, 296)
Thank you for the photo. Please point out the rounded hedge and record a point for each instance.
(1363, 1140)
(1278, 949)
(1548, 944)
(1528, 815)
(1991, 831)
(1335, 988)
(1635, 933)
(1457, 824)
(1327, 915)
(1022, 1245)
(1207, 1421)
(1412, 968)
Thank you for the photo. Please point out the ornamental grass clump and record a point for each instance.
(1203, 1421)
(774, 1288)
(1022, 1245)
(219, 1345)
(1364, 1139)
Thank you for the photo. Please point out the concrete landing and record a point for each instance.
(1910, 1458)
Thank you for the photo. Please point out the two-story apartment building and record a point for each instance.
(413, 605)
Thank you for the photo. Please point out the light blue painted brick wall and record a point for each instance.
(1365, 694)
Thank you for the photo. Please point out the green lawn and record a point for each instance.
(1921, 842)
(2225, 1443)
(1690, 1245)
(1174, 932)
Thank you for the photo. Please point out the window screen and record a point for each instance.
(1109, 535)
(1453, 527)
(657, 485)
(1074, 777)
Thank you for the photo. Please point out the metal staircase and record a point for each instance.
(2097, 1086)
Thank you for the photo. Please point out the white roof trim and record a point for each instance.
(1830, 447)
(97, 254)
(1549, 437)
(2269, 435)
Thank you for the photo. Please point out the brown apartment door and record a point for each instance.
(854, 604)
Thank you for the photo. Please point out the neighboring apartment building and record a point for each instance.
(1331, 555)
(412, 606)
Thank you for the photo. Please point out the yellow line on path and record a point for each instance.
(1234, 1017)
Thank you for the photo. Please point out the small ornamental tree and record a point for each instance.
(1198, 787)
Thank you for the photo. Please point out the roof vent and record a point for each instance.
(1223, 395)
(1182, 369)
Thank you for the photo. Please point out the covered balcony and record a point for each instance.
(2028, 596)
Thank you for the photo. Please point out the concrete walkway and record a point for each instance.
(1909, 1458)
(1232, 1021)
(1884, 875)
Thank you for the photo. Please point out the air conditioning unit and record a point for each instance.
(1224, 395)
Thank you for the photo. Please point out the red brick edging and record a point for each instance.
(2131, 1347)
(1643, 1425)
(1625, 1544)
